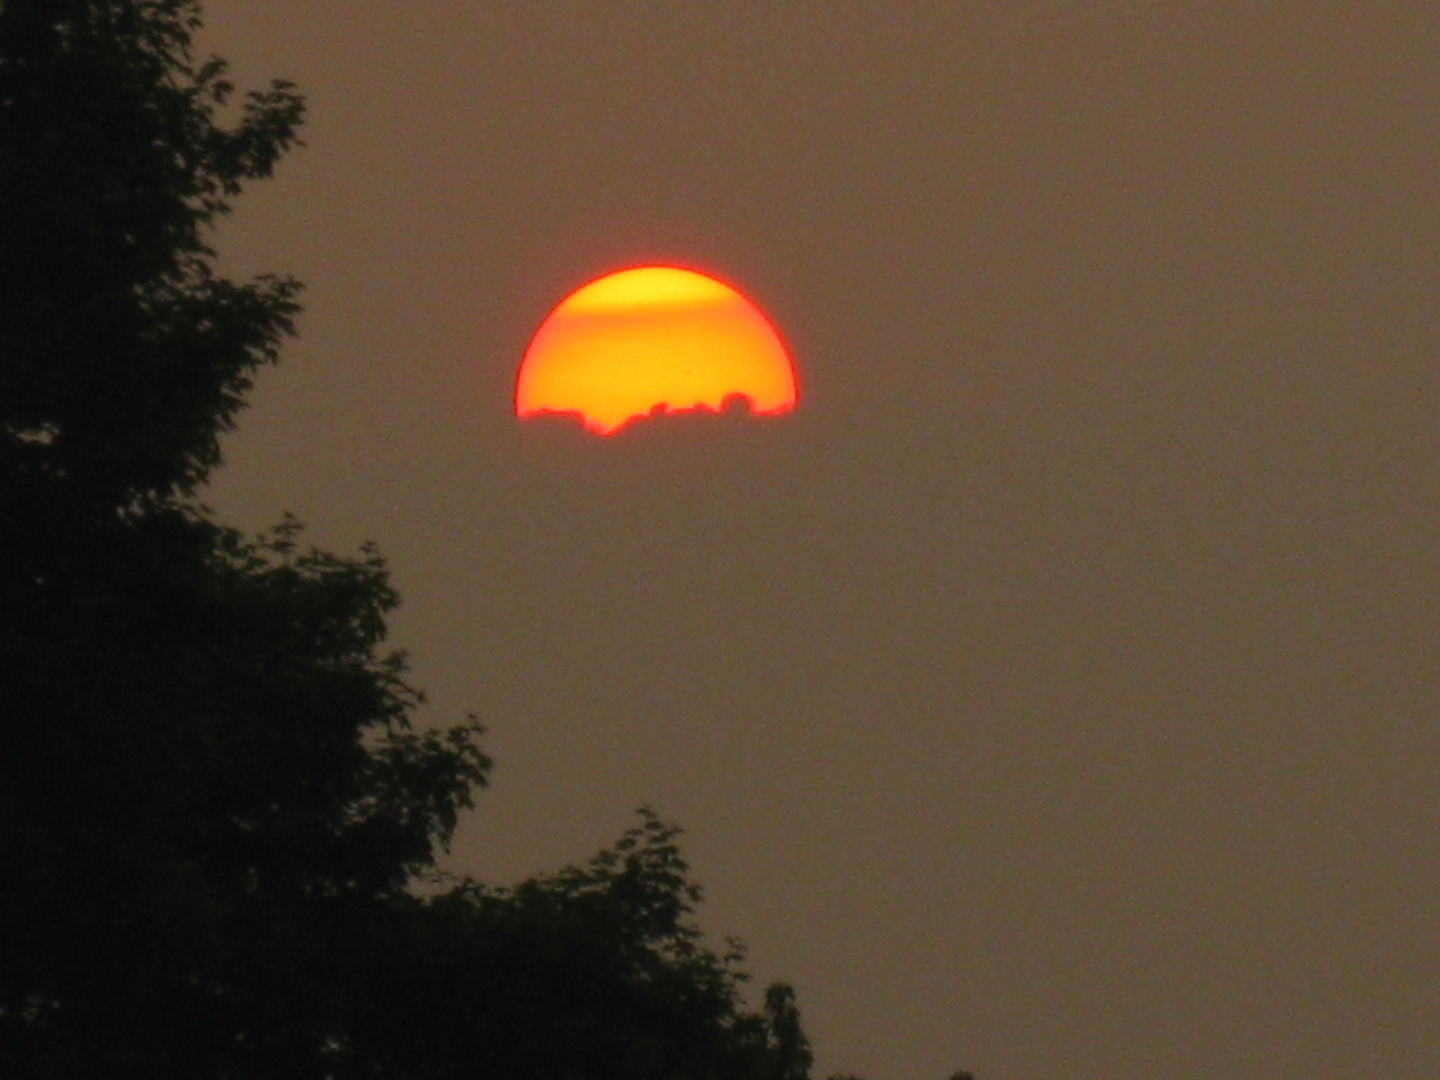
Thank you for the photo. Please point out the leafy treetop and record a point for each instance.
(213, 801)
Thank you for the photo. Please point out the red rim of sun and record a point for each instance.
(653, 339)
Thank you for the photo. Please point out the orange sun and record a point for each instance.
(653, 339)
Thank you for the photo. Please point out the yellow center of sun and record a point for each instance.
(653, 338)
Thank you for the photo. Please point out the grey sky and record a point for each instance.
(1056, 692)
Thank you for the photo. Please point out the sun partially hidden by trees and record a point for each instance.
(214, 804)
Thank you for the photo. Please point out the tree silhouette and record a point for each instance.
(213, 804)
(598, 971)
(208, 778)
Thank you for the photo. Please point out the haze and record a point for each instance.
(1054, 693)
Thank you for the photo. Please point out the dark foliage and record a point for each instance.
(207, 770)
(124, 355)
(214, 809)
(597, 972)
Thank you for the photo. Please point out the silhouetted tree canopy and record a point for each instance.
(214, 807)
(597, 971)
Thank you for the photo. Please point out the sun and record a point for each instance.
(653, 339)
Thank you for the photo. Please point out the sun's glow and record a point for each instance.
(655, 338)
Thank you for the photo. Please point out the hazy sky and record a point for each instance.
(1055, 693)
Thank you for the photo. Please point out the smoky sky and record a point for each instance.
(1054, 692)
